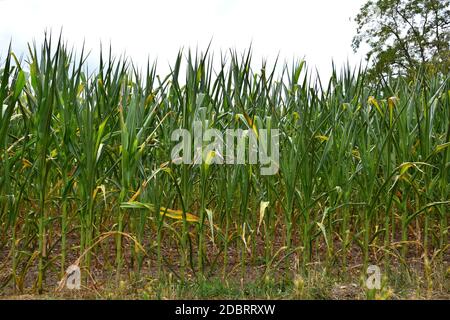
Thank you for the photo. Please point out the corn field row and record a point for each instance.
(86, 171)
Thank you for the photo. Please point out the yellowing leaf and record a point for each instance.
(102, 189)
(441, 147)
(404, 167)
(322, 138)
(392, 101)
(262, 208)
(170, 213)
(322, 228)
(53, 153)
(209, 157)
(356, 154)
(177, 215)
(80, 89)
(149, 99)
(135, 195)
(26, 164)
(374, 102)
(251, 123)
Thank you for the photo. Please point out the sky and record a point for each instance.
(318, 31)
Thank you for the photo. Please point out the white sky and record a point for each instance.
(317, 30)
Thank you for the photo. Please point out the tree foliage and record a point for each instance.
(405, 36)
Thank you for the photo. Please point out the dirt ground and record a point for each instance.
(321, 279)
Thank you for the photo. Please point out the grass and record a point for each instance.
(86, 178)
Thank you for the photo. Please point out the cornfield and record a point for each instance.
(87, 177)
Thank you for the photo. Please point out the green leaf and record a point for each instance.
(20, 84)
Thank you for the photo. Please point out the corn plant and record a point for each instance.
(86, 158)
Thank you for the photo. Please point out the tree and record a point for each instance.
(405, 36)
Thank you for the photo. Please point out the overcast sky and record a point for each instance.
(317, 30)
